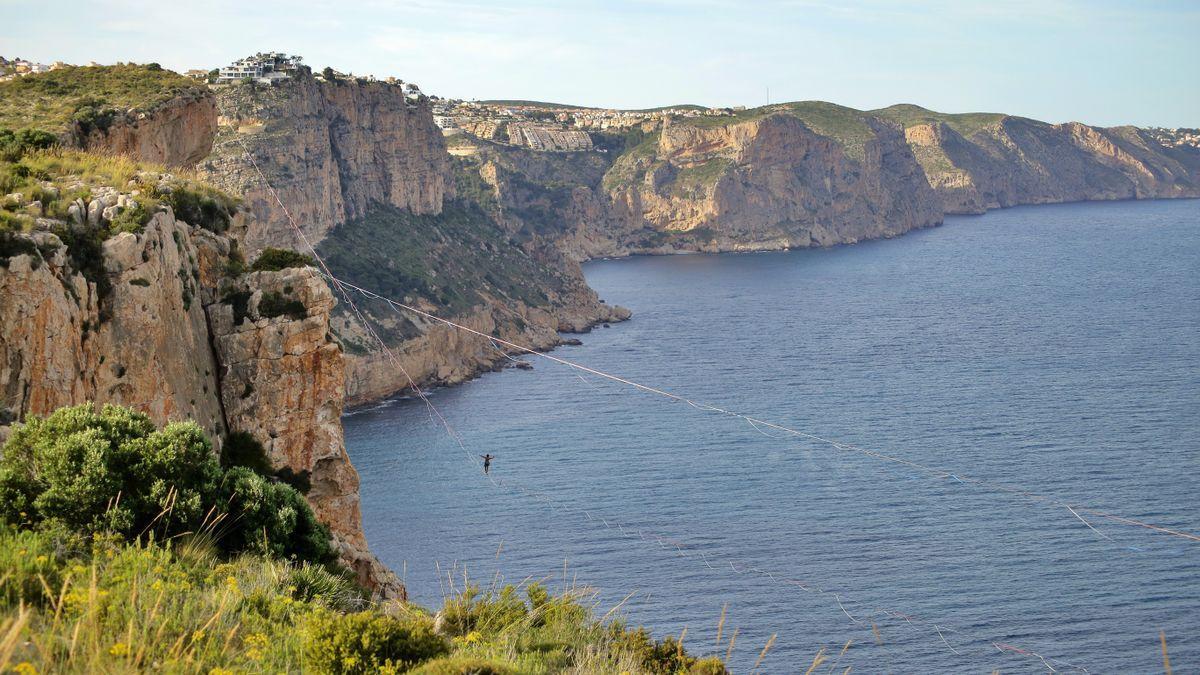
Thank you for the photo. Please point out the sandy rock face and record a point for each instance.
(282, 380)
(330, 150)
(179, 133)
(65, 339)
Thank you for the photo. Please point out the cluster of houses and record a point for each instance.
(543, 126)
(263, 68)
(12, 69)
(273, 67)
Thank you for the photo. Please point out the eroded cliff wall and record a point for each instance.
(178, 133)
(330, 149)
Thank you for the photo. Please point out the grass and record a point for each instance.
(57, 177)
(694, 181)
(966, 124)
(81, 606)
(55, 100)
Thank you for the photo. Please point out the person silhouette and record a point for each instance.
(487, 462)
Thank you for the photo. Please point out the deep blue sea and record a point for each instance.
(1050, 349)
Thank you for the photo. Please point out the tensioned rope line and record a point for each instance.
(755, 422)
(342, 286)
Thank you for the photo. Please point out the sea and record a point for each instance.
(969, 448)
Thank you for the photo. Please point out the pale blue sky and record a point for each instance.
(1102, 62)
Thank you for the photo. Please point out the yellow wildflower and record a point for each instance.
(119, 649)
(25, 667)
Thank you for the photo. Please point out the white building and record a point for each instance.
(264, 68)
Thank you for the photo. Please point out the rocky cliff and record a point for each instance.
(980, 161)
(155, 321)
(788, 176)
(363, 170)
(332, 150)
(775, 181)
(176, 133)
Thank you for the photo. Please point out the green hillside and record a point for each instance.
(89, 95)
(910, 115)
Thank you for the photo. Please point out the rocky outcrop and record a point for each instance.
(152, 321)
(178, 133)
(66, 338)
(774, 182)
(443, 355)
(331, 150)
(282, 381)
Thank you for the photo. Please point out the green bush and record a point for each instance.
(273, 304)
(317, 584)
(200, 205)
(107, 471)
(367, 642)
(130, 220)
(271, 518)
(463, 665)
(487, 613)
(275, 259)
(111, 471)
(15, 145)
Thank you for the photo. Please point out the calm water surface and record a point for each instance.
(1053, 348)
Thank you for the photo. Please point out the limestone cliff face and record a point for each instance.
(1020, 161)
(158, 327)
(63, 340)
(775, 183)
(767, 182)
(282, 380)
(331, 149)
(177, 133)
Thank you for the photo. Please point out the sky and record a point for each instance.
(1104, 62)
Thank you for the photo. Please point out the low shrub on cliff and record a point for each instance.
(111, 471)
(276, 259)
(370, 642)
(15, 145)
(56, 177)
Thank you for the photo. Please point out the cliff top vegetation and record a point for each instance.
(126, 548)
(87, 95)
(910, 115)
(44, 183)
(846, 125)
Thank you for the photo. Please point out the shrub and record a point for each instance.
(107, 471)
(241, 449)
(200, 205)
(130, 220)
(91, 114)
(463, 665)
(367, 642)
(15, 145)
(487, 613)
(271, 518)
(275, 259)
(273, 304)
(317, 584)
(111, 471)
